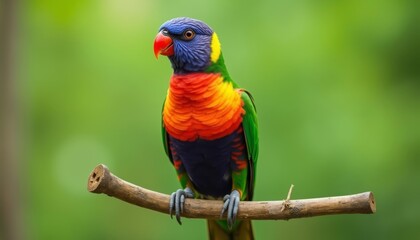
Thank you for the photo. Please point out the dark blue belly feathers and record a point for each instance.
(208, 163)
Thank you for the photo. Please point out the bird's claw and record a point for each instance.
(231, 204)
(176, 203)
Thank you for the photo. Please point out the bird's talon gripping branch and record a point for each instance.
(176, 203)
(231, 204)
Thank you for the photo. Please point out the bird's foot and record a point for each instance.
(231, 204)
(176, 203)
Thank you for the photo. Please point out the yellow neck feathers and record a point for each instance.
(215, 48)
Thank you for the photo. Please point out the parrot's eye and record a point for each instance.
(189, 34)
(165, 32)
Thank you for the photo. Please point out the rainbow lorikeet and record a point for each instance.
(209, 125)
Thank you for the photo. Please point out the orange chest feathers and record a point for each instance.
(201, 105)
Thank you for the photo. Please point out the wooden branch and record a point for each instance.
(101, 180)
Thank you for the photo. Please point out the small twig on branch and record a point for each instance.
(286, 203)
(101, 180)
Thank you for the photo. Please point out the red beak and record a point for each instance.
(163, 45)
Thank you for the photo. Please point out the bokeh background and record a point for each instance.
(336, 83)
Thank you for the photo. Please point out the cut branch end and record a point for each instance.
(96, 177)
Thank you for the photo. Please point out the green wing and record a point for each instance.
(250, 127)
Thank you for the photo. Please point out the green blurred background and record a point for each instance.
(336, 83)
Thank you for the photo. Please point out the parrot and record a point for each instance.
(209, 126)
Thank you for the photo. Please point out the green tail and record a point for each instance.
(242, 231)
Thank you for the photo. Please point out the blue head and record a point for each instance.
(190, 44)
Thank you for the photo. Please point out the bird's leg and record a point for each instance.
(176, 203)
(231, 204)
